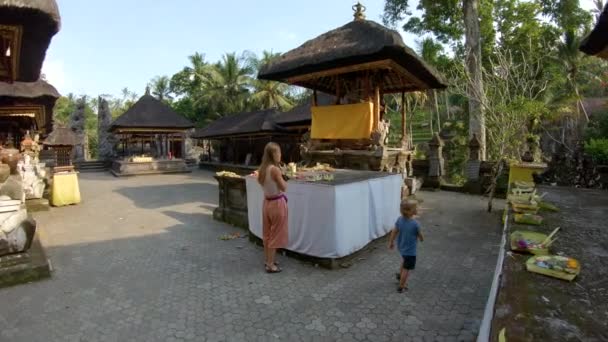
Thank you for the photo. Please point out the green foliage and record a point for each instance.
(598, 150)
(456, 149)
(598, 127)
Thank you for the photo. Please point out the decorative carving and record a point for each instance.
(380, 136)
(359, 11)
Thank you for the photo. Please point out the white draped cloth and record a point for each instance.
(332, 221)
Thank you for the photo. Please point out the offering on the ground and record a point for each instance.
(531, 219)
(227, 174)
(532, 242)
(554, 266)
(522, 208)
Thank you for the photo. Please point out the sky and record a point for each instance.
(105, 46)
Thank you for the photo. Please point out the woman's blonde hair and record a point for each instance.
(408, 208)
(271, 150)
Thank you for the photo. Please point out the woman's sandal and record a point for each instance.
(276, 270)
(402, 289)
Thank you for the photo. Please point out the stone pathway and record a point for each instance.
(140, 260)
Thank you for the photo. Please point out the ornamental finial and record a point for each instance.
(359, 9)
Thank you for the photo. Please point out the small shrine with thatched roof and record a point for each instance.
(151, 137)
(357, 63)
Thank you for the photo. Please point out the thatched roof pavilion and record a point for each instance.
(358, 63)
(596, 42)
(352, 50)
(26, 29)
(247, 123)
(149, 114)
(147, 120)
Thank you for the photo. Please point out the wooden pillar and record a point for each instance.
(314, 98)
(403, 121)
(376, 106)
(367, 95)
(337, 91)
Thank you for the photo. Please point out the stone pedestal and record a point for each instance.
(436, 162)
(473, 171)
(232, 201)
(126, 168)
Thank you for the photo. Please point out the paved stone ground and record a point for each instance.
(140, 260)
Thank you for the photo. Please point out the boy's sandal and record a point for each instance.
(401, 289)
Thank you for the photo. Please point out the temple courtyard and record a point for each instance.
(141, 259)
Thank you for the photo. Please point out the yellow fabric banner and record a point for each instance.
(352, 121)
(65, 189)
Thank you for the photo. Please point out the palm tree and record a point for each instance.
(225, 86)
(268, 94)
(570, 56)
(160, 86)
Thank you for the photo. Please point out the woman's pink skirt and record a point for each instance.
(274, 214)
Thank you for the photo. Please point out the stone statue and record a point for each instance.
(16, 227)
(380, 136)
(33, 174)
(107, 141)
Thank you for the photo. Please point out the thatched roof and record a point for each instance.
(61, 136)
(240, 123)
(358, 42)
(40, 20)
(150, 113)
(596, 42)
(261, 121)
(28, 90)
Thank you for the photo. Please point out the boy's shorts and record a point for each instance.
(409, 262)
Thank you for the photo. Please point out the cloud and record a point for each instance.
(287, 35)
(54, 72)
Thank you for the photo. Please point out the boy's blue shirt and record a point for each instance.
(407, 237)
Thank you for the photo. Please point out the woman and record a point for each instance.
(274, 211)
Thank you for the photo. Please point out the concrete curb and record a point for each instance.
(488, 314)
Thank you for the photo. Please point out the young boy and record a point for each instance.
(407, 231)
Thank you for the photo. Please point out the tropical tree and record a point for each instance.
(268, 94)
(190, 79)
(569, 54)
(449, 21)
(161, 89)
(226, 86)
